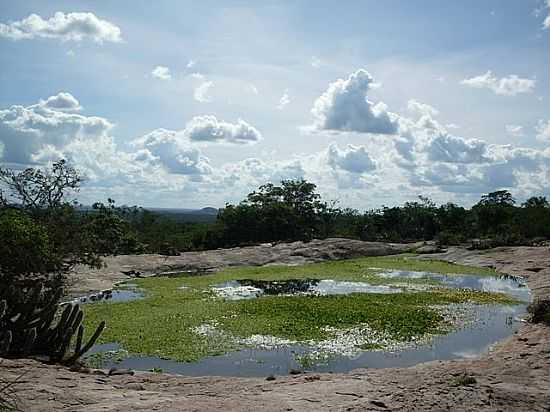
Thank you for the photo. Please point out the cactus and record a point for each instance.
(30, 328)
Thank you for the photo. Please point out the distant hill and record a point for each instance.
(209, 210)
(205, 215)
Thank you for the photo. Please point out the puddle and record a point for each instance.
(510, 285)
(129, 292)
(480, 326)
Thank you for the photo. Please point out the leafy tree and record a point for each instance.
(290, 211)
(43, 235)
(535, 217)
(536, 202)
(495, 213)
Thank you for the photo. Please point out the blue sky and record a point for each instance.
(187, 104)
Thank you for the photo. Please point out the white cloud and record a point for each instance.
(66, 27)
(27, 132)
(315, 62)
(62, 101)
(252, 172)
(546, 22)
(543, 131)
(514, 130)
(201, 92)
(191, 64)
(173, 151)
(505, 86)
(344, 107)
(284, 100)
(161, 73)
(210, 129)
(353, 159)
(445, 147)
(421, 109)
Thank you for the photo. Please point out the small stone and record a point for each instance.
(270, 378)
(380, 404)
(115, 372)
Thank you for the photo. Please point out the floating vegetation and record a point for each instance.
(332, 314)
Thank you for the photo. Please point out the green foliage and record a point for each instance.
(42, 236)
(464, 380)
(25, 247)
(162, 323)
(109, 230)
(291, 211)
(540, 311)
(31, 329)
(294, 210)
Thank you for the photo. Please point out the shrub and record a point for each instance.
(540, 311)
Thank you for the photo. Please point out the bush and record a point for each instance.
(449, 239)
(540, 311)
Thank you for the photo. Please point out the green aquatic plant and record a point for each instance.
(169, 321)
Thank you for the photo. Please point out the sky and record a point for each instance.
(192, 104)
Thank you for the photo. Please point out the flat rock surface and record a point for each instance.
(514, 376)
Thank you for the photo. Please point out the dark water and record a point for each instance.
(490, 323)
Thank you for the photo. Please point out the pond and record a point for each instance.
(492, 323)
(475, 328)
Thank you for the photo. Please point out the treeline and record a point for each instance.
(294, 210)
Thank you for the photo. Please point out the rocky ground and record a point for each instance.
(514, 376)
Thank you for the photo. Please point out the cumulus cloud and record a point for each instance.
(210, 129)
(421, 109)
(66, 27)
(252, 172)
(201, 92)
(27, 132)
(345, 107)
(543, 131)
(284, 100)
(161, 73)
(505, 86)
(543, 10)
(445, 147)
(353, 159)
(514, 130)
(173, 151)
(62, 101)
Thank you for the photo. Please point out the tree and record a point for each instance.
(495, 213)
(498, 198)
(291, 211)
(535, 217)
(42, 236)
(536, 202)
(38, 189)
